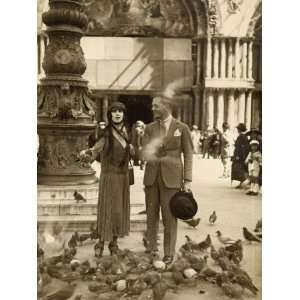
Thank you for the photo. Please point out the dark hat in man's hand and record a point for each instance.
(183, 205)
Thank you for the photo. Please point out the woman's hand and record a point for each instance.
(131, 150)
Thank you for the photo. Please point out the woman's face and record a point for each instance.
(117, 116)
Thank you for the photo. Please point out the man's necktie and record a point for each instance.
(163, 131)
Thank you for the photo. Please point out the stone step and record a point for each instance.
(77, 209)
(82, 223)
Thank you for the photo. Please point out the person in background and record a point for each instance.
(215, 143)
(241, 149)
(113, 217)
(226, 149)
(195, 134)
(254, 161)
(205, 147)
(137, 134)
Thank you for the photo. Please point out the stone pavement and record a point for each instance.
(234, 210)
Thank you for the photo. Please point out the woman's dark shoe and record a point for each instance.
(168, 259)
(113, 246)
(98, 249)
(249, 193)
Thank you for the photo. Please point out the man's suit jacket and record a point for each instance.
(177, 141)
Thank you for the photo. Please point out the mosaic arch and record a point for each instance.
(255, 25)
(165, 18)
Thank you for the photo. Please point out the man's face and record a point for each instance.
(117, 116)
(159, 109)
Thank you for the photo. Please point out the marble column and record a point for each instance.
(210, 109)
(237, 58)
(203, 110)
(220, 109)
(248, 114)
(196, 111)
(208, 58)
(199, 48)
(179, 109)
(230, 57)
(216, 58)
(241, 107)
(104, 108)
(223, 59)
(244, 60)
(250, 60)
(231, 110)
(259, 63)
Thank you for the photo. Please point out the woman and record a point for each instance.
(241, 150)
(113, 199)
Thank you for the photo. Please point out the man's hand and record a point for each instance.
(187, 186)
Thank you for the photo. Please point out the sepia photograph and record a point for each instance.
(149, 149)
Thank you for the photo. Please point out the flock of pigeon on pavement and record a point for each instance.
(125, 274)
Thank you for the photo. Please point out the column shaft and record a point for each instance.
(237, 58)
(220, 110)
(244, 60)
(216, 58)
(210, 109)
(208, 58)
(204, 110)
(230, 113)
(241, 107)
(250, 60)
(230, 56)
(223, 59)
(248, 110)
(196, 106)
(104, 108)
(198, 77)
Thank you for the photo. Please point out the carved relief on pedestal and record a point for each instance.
(59, 153)
(64, 103)
(234, 6)
(213, 16)
(64, 55)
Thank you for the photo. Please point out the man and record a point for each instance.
(226, 149)
(165, 140)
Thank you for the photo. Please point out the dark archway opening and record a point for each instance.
(138, 108)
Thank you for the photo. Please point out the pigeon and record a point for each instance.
(212, 218)
(250, 237)
(72, 243)
(213, 253)
(193, 222)
(78, 197)
(244, 280)
(204, 245)
(232, 290)
(224, 240)
(258, 227)
(159, 290)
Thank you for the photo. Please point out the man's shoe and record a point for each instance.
(254, 194)
(168, 259)
(249, 193)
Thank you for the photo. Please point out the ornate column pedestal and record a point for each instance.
(65, 116)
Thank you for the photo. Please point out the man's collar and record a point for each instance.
(167, 119)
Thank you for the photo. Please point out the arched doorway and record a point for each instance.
(138, 108)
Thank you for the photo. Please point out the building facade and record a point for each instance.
(206, 51)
